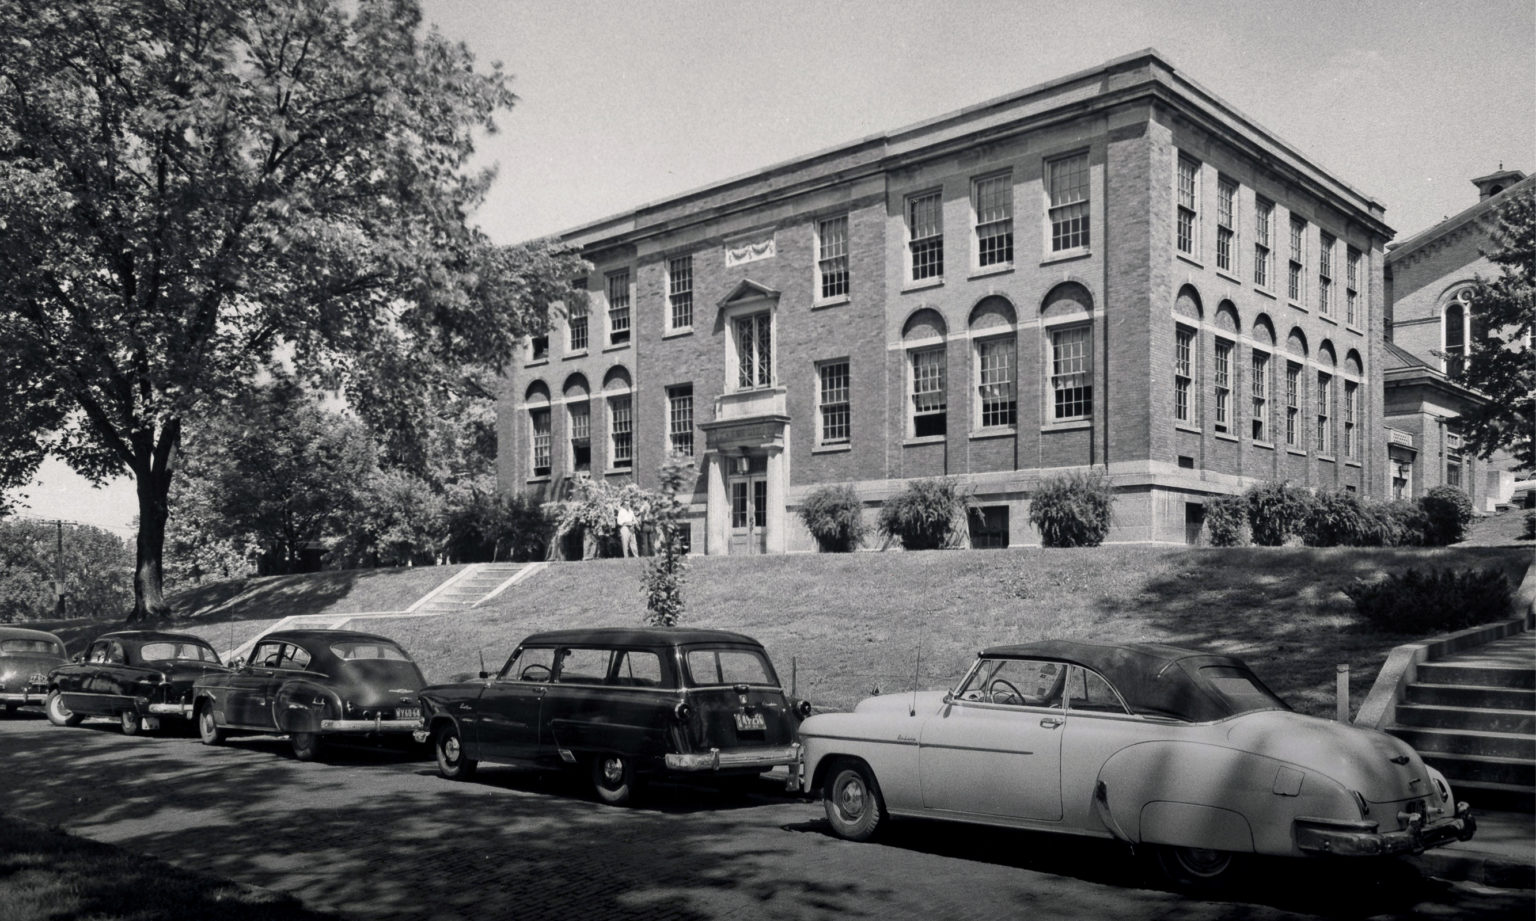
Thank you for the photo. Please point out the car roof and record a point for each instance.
(1109, 658)
(325, 636)
(26, 633)
(151, 636)
(637, 636)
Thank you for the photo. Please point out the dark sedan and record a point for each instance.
(308, 684)
(26, 658)
(137, 677)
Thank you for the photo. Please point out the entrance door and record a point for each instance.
(749, 514)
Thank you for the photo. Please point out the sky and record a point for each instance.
(624, 102)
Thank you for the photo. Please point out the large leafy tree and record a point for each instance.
(94, 564)
(1502, 364)
(188, 186)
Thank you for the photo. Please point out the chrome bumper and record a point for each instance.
(715, 759)
(369, 725)
(24, 697)
(1361, 839)
(182, 710)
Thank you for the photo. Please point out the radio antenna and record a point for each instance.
(482, 665)
(916, 671)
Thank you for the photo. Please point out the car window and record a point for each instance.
(1015, 682)
(1088, 690)
(1240, 690)
(729, 666)
(369, 649)
(583, 666)
(116, 654)
(267, 655)
(17, 647)
(191, 652)
(535, 663)
(294, 657)
(98, 652)
(639, 669)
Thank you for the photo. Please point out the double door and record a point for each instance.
(749, 513)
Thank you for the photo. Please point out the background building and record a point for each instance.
(1113, 270)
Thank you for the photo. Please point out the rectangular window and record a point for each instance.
(680, 292)
(1226, 225)
(1325, 274)
(994, 367)
(1189, 183)
(832, 259)
(1263, 224)
(1223, 359)
(1324, 441)
(1183, 374)
(538, 347)
(1351, 407)
(1352, 287)
(618, 307)
(832, 402)
(581, 435)
(1067, 184)
(929, 399)
(992, 199)
(1293, 405)
(680, 419)
(539, 424)
(621, 425)
(1259, 387)
(925, 235)
(754, 351)
(1295, 288)
(576, 325)
(1071, 374)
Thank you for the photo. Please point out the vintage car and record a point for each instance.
(309, 684)
(26, 657)
(622, 705)
(1181, 754)
(137, 677)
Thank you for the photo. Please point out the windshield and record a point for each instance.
(729, 666)
(17, 647)
(182, 652)
(369, 649)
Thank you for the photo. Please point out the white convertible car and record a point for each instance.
(1184, 752)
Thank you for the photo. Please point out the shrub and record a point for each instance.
(1401, 523)
(1226, 521)
(1276, 512)
(1447, 511)
(1073, 510)
(523, 528)
(1530, 526)
(924, 516)
(1338, 518)
(1433, 602)
(835, 517)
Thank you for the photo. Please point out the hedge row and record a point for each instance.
(1272, 514)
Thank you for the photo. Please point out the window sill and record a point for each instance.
(1352, 463)
(1186, 427)
(1327, 457)
(536, 362)
(829, 302)
(1223, 273)
(1260, 289)
(839, 448)
(674, 333)
(1266, 445)
(1297, 305)
(579, 353)
(989, 271)
(1068, 255)
(617, 471)
(1326, 318)
(617, 346)
(1354, 329)
(539, 479)
(922, 285)
(1296, 451)
(924, 440)
(1068, 425)
(1226, 437)
(1186, 257)
(999, 432)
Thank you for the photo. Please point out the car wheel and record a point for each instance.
(853, 803)
(613, 777)
(452, 763)
(130, 722)
(60, 715)
(306, 745)
(207, 727)
(1196, 868)
(10, 709)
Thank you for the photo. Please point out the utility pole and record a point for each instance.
(58, 584)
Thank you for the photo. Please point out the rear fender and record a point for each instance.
(300, 706)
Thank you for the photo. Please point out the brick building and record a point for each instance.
(1429, 328)
(1114, 270)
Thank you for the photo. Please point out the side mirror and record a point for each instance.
(484, 674)
(949, 696)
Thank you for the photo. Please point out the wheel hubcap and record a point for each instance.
(613, 770)
(850, 799)
(1202, 861)
(451, 749)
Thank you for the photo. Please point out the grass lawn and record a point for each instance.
(52, 876)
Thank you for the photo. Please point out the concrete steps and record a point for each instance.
(476, 584)
(1472, 715)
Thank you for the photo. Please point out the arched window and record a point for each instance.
(537, 401)
(1457, 332)
(927, 378)
(1067, 316)
(995, 349)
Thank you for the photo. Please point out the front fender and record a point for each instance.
(300, 706)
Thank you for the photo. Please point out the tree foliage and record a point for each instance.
(666, 569)
(1502, 365)
(97, 567)
(187, 187)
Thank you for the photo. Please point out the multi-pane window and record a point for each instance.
(1324, 441)
(1259, 388)
(1325, 274)
(929, 398)
(618, 307)
(832, 258)
(1352, 286)
(925, 235)
(1223, 360)
(1189, 181)
(1183, 374)
(680, 419)
(994, 368)
(992, 198)
(581, 435)
(1263, 224)
(1456, 350)
(754, 350)
(621, 428)
(576, 327)
(1453, 462)
(1295, 288)
(1351, 407)
(1226, 225)
(538, 420)
(832, 402)
(680, 292)
(1071, 374)
(1068, 188)
(1293, 405)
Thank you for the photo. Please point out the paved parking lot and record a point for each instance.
(377, 834)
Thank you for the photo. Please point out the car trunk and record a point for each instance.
(19, 669)
(380, 683)
(741, 716)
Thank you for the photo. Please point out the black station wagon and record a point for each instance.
(621, 704)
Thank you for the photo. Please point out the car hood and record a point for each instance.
(23, 666)
(1380, 767)
(926, 702)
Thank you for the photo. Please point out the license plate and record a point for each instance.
(750, 722)
(408, 713)
(39, 679)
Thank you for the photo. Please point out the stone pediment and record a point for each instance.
(747, 290)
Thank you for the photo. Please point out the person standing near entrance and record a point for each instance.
(626, 522)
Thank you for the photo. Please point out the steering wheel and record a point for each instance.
(1012, 697)
(537, 672)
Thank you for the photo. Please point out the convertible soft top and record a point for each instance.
(1153, 678)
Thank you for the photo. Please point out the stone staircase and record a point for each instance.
(1472, 714)
(475, 584)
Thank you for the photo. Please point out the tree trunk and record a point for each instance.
(154, 486)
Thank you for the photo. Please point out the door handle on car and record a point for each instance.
(1051, 722)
